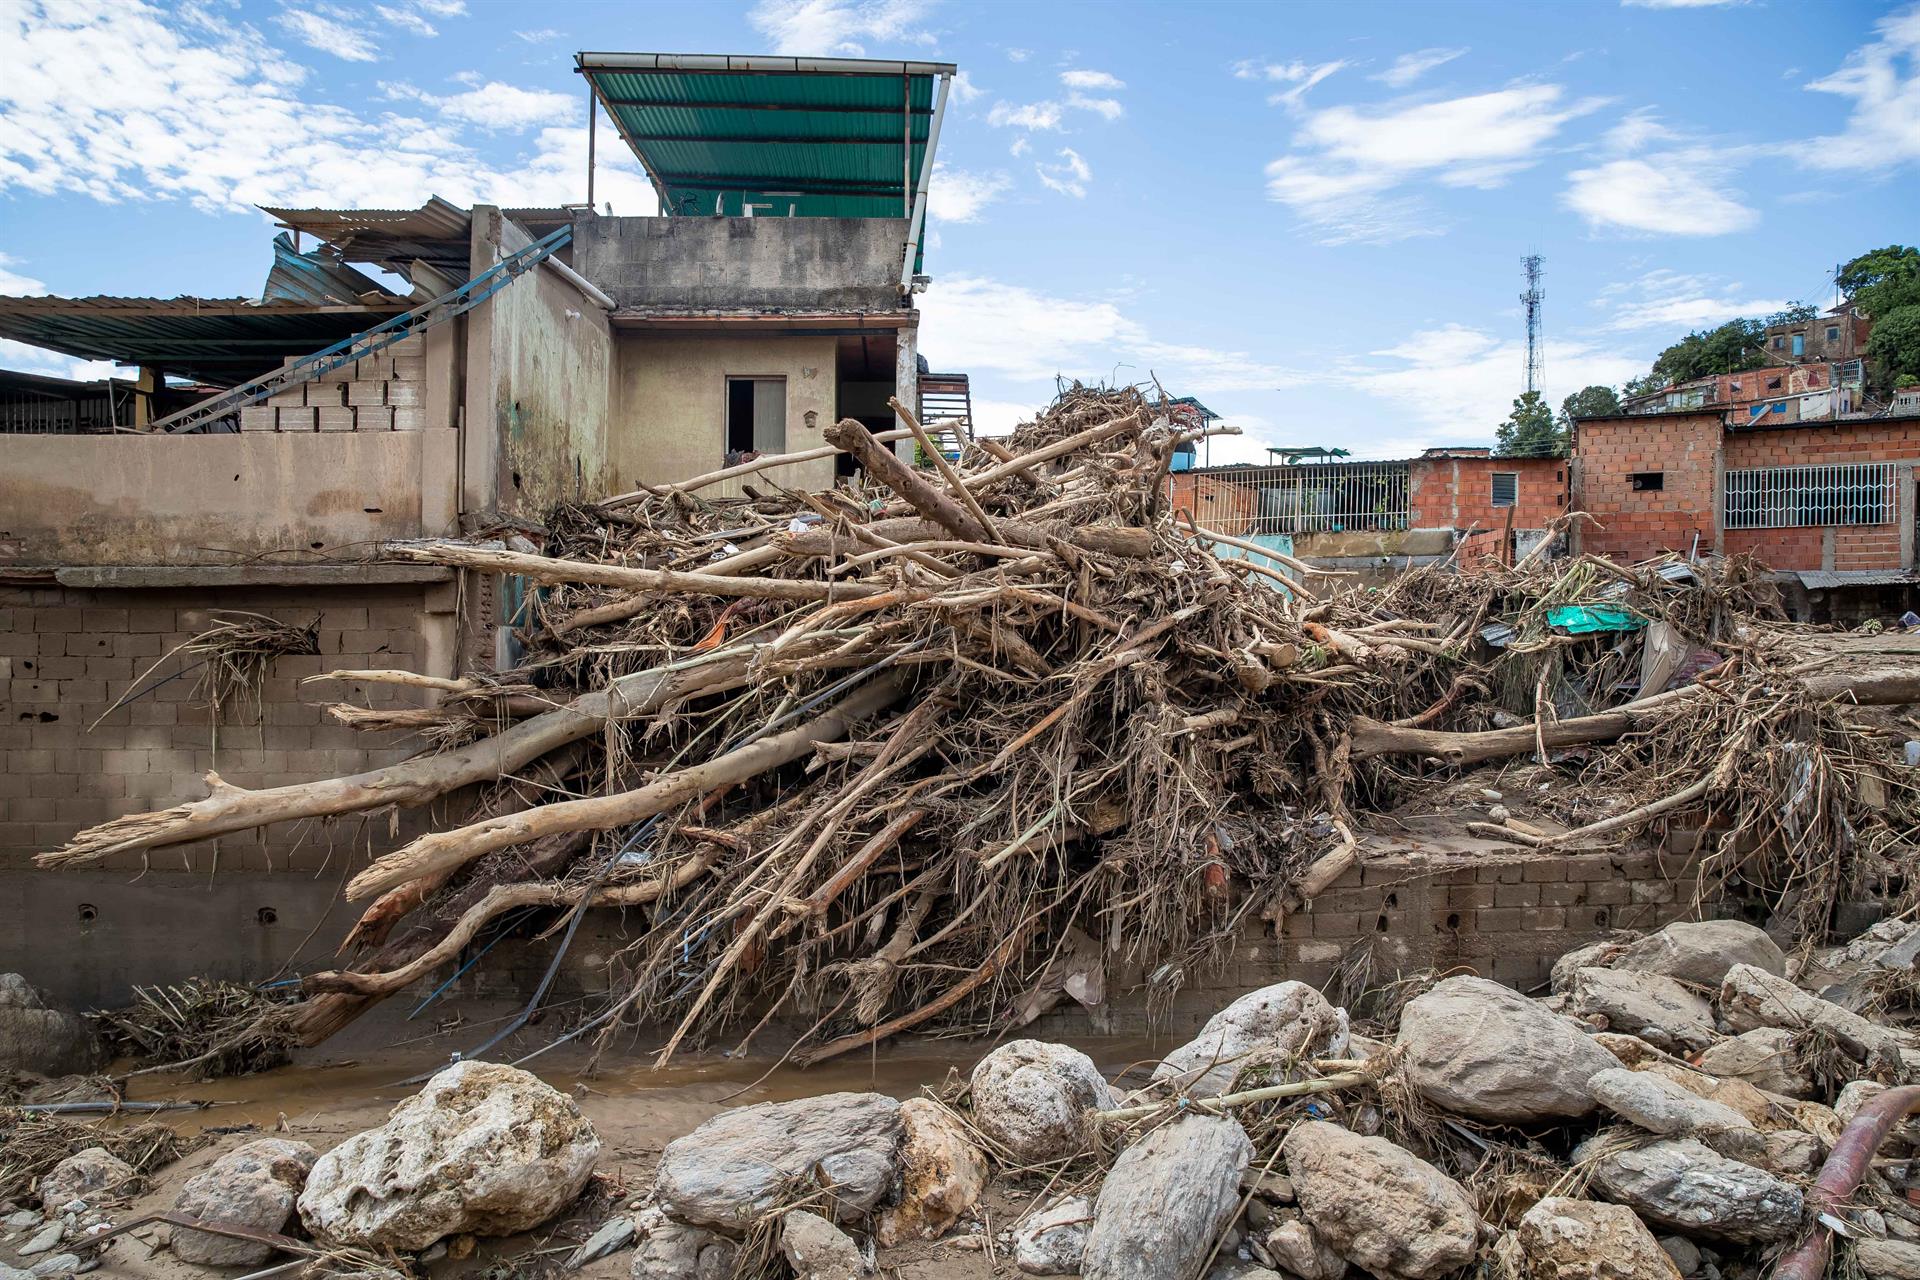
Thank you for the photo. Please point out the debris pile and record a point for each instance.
(934, 749)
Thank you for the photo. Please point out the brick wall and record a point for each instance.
(1508, 922)
(1457, 493)
(1815, 546)
(1633, 525)
(66, 655)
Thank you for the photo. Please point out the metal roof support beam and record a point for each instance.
(675, 104)
(758, 64)
(919, 218)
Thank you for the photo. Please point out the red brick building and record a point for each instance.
(1833, 497)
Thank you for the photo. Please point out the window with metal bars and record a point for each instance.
(1791, 497)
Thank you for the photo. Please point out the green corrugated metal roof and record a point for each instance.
(817, 137)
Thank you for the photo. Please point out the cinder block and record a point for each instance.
(373, 418)
(295, 398)
(366, 393)
(299, 419)
(405, 393)
(409, 369)
(408, 418)
(373, 369)
(335, 418)
(326, 395)
(258, 417)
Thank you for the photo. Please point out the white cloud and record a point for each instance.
(330, 29)
(443, 8)
(955, 195)
(1409, 67)
(407, 20)
(1460, 383)
(1883, 80)
(964, 90)
(1030, 115)
(1346, 160)
(838, 26)
(1025, 335)
(22, 358)
(1069, 176)
(504, 106)
(1019, 55)
(1672, 302)
(181, 105)
(1020, 146)
(14, 284)
(540, 36)
(1105, 108)
(1660, 195)
(1084, 79)
(1302, 76)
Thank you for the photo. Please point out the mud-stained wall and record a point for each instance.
(143, 500)
(538, 368)
(670, 404)
(734, 264)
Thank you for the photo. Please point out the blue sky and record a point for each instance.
(1310, 215)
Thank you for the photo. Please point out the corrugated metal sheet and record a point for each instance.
(316, 279)
(1827, 579)
(439, 232)
(846, 140)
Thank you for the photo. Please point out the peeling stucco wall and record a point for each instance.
(744, 263)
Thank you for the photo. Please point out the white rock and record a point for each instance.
(1683, 1184)
(613, 1235)
(1486, 1051)
(1032, 1098)
(1295, 1245)
(21, 1219)
(818, 1250)
(1751, 998)
(1702, 952)
(1053, 1241)
(255, 1185)
(737, 1165)
(47, 1238)
(1764, 1058)
(92, 1172)
(60, 1264)
(1658, 1105)
(39, 1039)
(1166, 1200)
(482, 1149)
(1650, 1005)
(1566, 1239)
(1379, 1206)
(675, 1251)
(1887, 1259)
(942, 1174)
(1595, 955)
(1793, 1154)
(1277, 1023)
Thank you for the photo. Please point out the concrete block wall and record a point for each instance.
(1880, 546)
(1457, 493)
(383, 392)
(1508, 922)
(66, 655)
(1633, 524)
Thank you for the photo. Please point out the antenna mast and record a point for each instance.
(1531, 300)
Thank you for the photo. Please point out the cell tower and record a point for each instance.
(1531, 300)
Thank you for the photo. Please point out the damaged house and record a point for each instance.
(268, 446)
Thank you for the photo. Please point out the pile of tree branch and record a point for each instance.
(885, 757)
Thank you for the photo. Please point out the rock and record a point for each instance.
(255, 1185)
(1792, 1154)
(1566, 1239)
(1486, 1051)
(1032, 1098)
(1166, 1200)
(21, 1219)
(1751, 998)
(1278, 1023)
(818, 1250)
(1235, 1269)
(675, 1251)
(614, 1234)
(1660, 1106)
(942, 1174)
(60, 1264)
(1053, 1241)
(1648, 1005)
(45, 1239)
(83, 1175)
(1764, 1058)
(1295, 1245)
(1683, 1184)
(1854, 1095)
(1738, 1094)
(1684, 1252)
(42, 1040)
(739, 1164)
(1595, 955)
(1887, 1259)
(482, 1148)
(1379, 1206)
(1702, 952)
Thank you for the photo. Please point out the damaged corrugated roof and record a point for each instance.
(1827, 579)
(317, 278)
(438, 233)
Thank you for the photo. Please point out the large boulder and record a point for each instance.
(1595, 955)
(1274, 1024)
(1658, 1009)
(1378, 1206)
(941, 1174)
(818, 1250)
(739, 1164)
(1887, 1259)
(1053, 1241)
(482, 1149)
(671, 1250)
(39, 1039)
(1660, 1106)
(1751, 998)
(1483, 1050)
(1701, 953)
(1166, 1200)
(1764, 1057)
(89, 1174)
(1032, 1098)
(1683, 1184)
(1565, 1239)
(255, 1185)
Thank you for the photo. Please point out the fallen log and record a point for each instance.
(412, 782)
(460, 555)
(737, 470)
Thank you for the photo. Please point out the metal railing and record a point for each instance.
(1320, 498)
(1791, 497)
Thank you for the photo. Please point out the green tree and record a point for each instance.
(1796, 313)
(1885, 284)
(1529, 431)
(1894, 345)
(1734, 347)
(1588, 402)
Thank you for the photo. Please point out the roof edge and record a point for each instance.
(762, 64)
